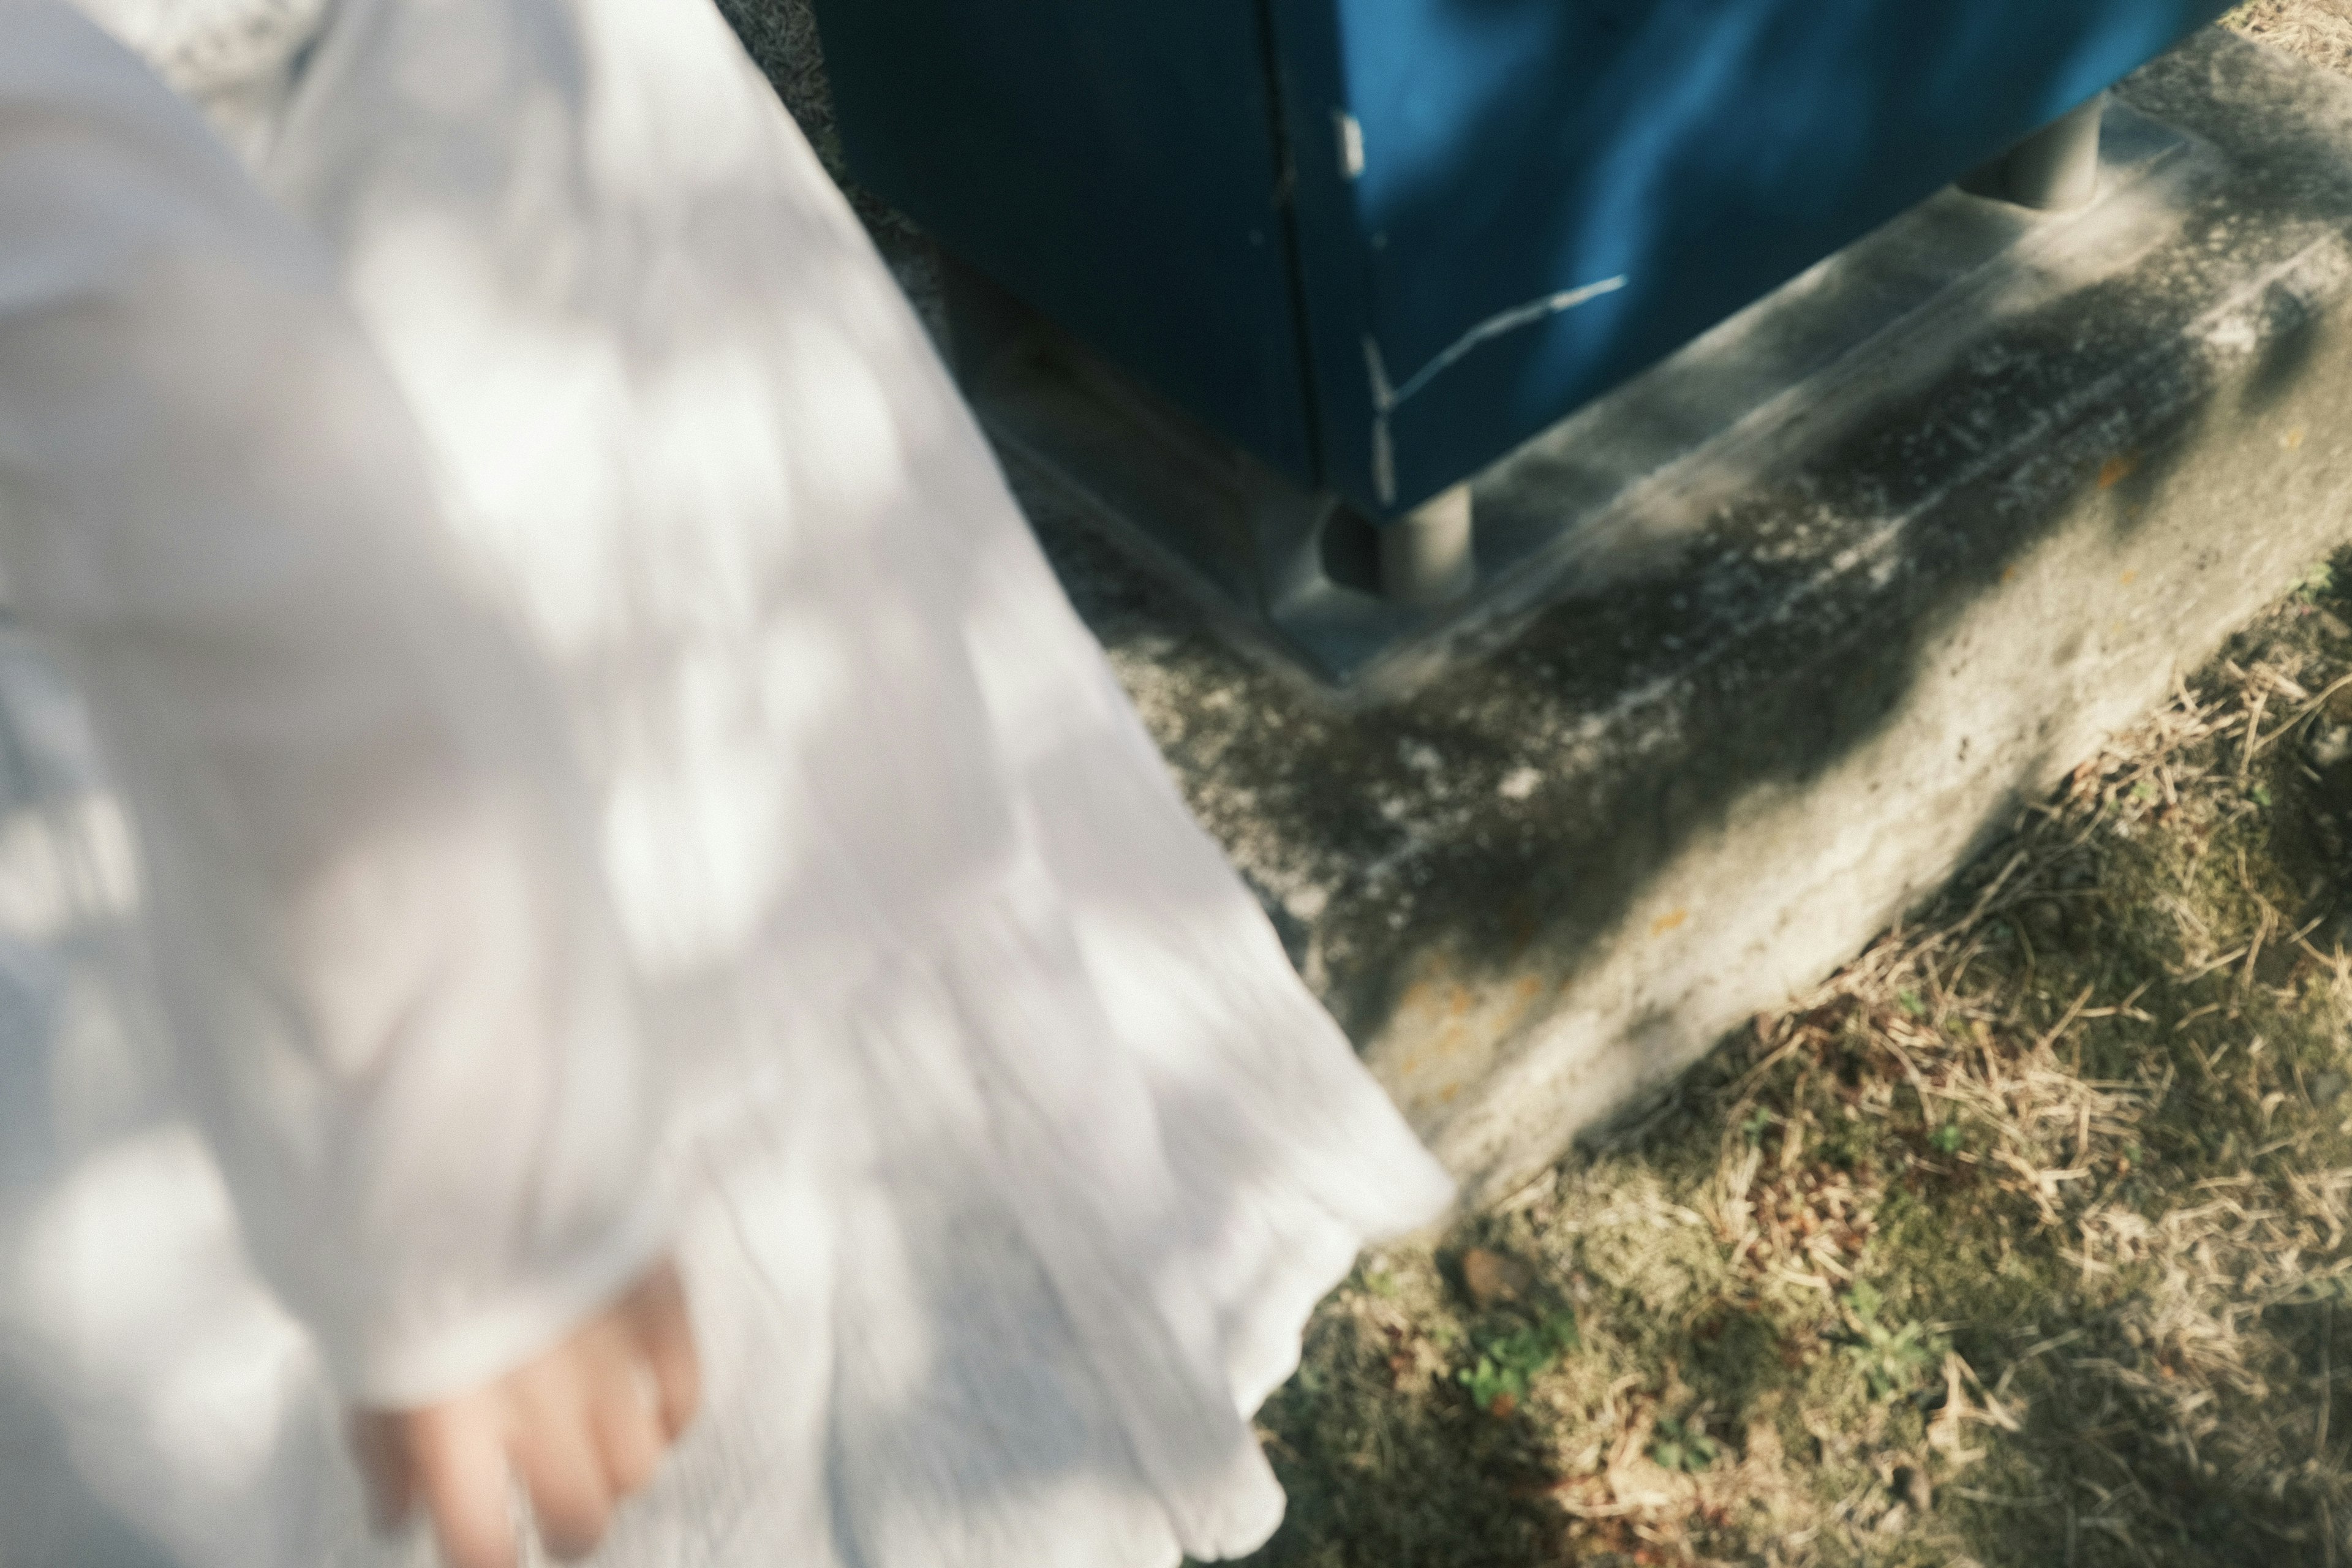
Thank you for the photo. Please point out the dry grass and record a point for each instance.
(2319, 30)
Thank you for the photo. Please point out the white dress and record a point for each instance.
(593, 763)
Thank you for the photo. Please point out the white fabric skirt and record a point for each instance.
(1008, 1152)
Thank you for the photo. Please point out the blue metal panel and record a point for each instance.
(1552, 195)
(1114, 166)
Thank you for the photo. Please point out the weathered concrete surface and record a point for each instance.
(1697, 776)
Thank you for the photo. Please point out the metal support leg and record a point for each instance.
(2057, 169)
(1425, 557)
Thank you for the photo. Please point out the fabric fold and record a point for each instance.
(396, 992)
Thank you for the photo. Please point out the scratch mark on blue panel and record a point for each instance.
(1387, 395)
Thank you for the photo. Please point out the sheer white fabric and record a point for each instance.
(605, 767)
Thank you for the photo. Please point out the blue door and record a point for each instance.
(1379, 243)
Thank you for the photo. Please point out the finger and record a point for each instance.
(656, 1314)
(459, 1457)
(377, 1446)
(626, 1424)
(555, 1454)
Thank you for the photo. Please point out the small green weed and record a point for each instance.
(1892, 1362)
(1686, 1448)
(1506, 1363)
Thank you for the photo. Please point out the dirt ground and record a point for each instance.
(2021, 1242)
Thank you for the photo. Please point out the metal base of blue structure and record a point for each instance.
(2057, 169)
(1364, 610)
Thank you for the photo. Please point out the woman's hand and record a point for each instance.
(580, 1429)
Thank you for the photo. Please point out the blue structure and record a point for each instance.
(1379, 243)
